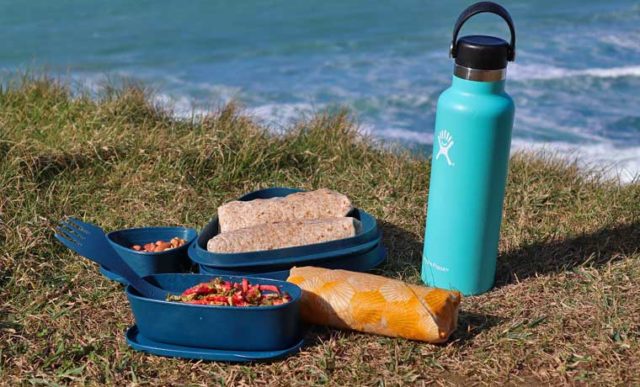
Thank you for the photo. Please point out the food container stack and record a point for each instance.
(267, 232)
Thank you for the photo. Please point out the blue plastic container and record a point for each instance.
(361, 262)
(264, 328)
(113, 276)
(141, 343)
(282, 257)
(168, 261)
(366, 239)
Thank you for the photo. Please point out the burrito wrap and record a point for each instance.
(319, 204)
(375, 304)
(285, 234)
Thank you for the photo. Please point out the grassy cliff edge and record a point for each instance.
(566, 307)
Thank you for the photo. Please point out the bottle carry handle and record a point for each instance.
(482, 7)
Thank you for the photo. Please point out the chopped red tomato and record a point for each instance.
(219, 292)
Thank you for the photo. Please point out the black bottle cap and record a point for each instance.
(482, 52)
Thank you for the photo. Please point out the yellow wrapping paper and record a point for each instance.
(375, 304)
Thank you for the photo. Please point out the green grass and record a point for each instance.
(566, 308)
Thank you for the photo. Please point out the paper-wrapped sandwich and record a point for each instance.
(375, 304)
(319, 204)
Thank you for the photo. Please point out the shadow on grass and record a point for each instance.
(472, 324)
(469, 326)
(6, 323)
(4, 149)
(404, 249)
(405, 256)
(44, 168)
(596, 249)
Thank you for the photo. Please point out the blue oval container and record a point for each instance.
(168, 261)
(367, 238)
(282, 257)
(264, 328)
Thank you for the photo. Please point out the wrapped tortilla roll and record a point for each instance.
(322, 203)
(285, 234)
(375, 304)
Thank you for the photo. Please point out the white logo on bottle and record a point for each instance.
(446, 142)
(437, 267)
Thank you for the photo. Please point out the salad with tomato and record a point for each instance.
(226, 293)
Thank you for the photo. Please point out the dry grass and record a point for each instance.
(566, 308)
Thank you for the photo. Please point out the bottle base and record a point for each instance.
(433, 277)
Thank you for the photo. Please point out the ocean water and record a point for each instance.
(575, 82)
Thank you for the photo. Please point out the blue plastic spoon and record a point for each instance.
(90, 241)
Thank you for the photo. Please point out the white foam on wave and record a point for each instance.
(615, 162)
(538, 125)
(404, 135)
(631, 40)
(280, 115)
(591, 151)
(520, 72)
(180, 106)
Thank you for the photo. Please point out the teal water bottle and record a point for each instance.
(472, 138)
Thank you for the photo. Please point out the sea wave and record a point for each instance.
(630, 41)
(404, 135)
(279, 116)
(615, 162)
(385, 121)
(521, 72)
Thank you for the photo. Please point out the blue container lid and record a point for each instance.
(140, 343)
(359, 262)
(367, 238)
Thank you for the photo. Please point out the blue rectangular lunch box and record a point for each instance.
(361, 252)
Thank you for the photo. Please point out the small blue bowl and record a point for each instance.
(144, 263)
(262, 328)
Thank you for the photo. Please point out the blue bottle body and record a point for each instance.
(472, 140)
